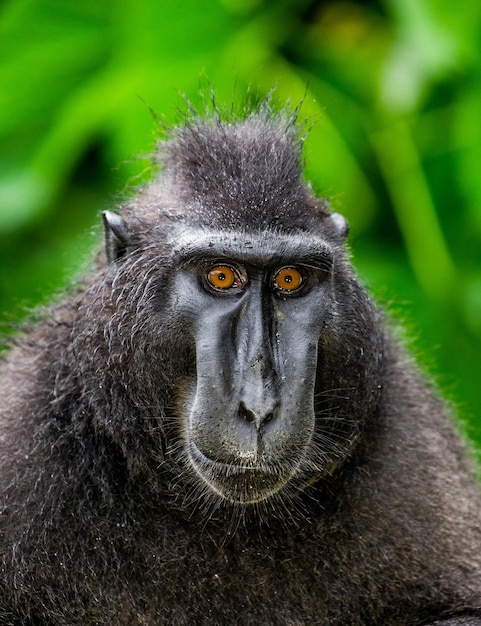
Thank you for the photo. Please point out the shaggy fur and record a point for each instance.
(103, 521)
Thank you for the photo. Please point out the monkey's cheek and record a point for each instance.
(240, 484)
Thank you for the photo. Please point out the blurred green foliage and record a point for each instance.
(394, 89)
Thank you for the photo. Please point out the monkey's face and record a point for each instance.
(255, 309)
(254, 348)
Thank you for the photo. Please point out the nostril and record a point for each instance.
(268, 417)
(246, 414)
(250, 416)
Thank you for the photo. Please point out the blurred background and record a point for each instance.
(394, 88)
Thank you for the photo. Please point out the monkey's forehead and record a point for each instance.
(249, 247)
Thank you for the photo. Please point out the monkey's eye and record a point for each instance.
(288, 280)
(225, 277)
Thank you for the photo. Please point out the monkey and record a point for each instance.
(218, 425)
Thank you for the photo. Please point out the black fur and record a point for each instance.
(103, 519)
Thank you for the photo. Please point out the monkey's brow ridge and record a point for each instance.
(268, 247)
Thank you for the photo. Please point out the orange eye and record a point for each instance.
(223, 277)
(288, 279)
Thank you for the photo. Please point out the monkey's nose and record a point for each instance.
(258, 417)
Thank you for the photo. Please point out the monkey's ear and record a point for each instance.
(117, 236)
(340, 224)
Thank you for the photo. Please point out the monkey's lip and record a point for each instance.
(226, 469)
(236, 482)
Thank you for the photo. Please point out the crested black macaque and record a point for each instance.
(218, 428)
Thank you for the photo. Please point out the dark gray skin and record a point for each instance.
(248, 429)
(193, 437)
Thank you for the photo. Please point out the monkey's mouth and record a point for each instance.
(240, 483)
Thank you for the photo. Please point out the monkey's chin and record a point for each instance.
(239, 484)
